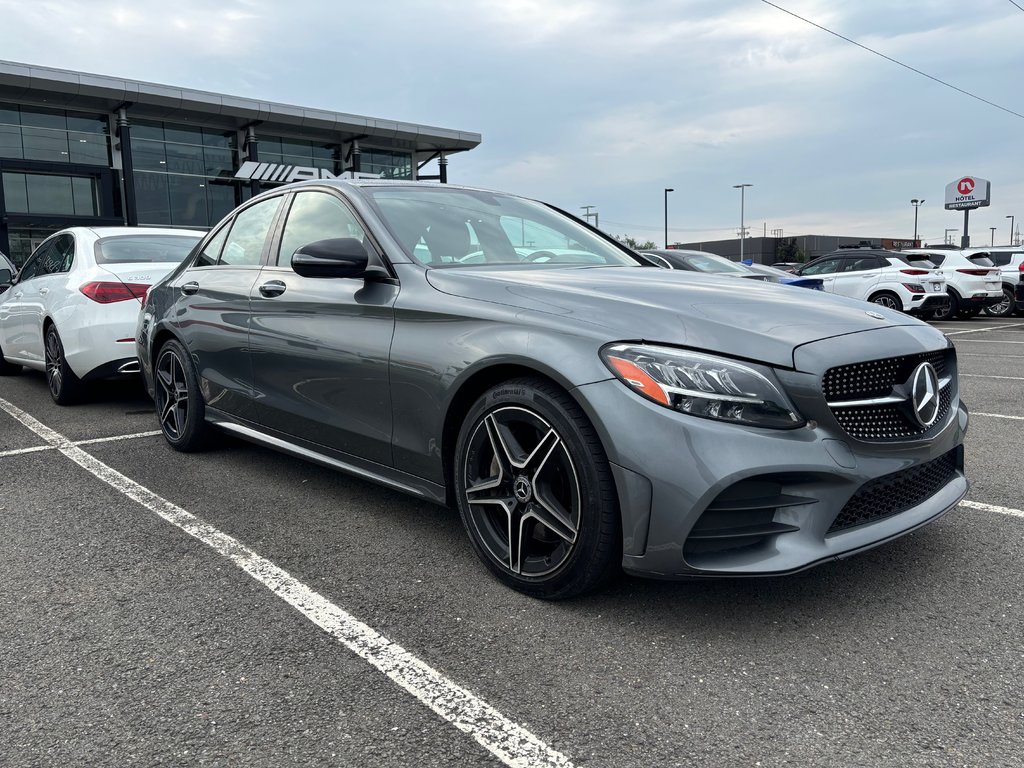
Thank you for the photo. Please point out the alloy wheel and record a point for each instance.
(1004, 307)
(887, 301)
(523, 491)
(54, 363)
(172, 395)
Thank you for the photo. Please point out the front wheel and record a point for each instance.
(179, 403)
(535, 491)
(65, 387)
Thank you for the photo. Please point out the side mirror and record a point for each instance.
(6, 278)
(337, 257)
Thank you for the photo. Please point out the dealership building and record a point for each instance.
(78, 149)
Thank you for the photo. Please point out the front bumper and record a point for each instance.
(673, 469)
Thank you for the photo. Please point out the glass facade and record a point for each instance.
(55, 136)
(309, 154)
(388, 163)
(49, 194)
(183, 173)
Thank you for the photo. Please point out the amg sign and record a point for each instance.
(273, 173)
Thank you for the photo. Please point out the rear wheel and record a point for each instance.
(887, 300)
(1005, 307)
(179, 403)
(950, 311)
(535, 491)
(65, 386)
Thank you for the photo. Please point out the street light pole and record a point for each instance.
(1010, 242)
(743, 229)
(917, 204)
(667, 190)
(945, 239)
(992, 241)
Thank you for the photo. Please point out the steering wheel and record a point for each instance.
(540, 256)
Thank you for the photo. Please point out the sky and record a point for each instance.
(608, 102)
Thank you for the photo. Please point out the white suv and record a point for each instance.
(973, 279)
(895, 280)
(1010, 260)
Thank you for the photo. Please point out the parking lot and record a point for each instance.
(241, 607)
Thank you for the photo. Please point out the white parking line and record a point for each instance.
(35, 448)
(997, 415)
(987, 341)
(986, 328)
(993, 508)
(987, 376)
(509, 742)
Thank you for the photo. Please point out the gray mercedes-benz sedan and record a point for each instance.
(584, 411)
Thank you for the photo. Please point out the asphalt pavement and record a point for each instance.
(135, 632)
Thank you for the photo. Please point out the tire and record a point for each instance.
(888, 300)
(180, 409)
(951, 311)
(65, 387)
(7, 368)
(535, 492)
(1005, 307)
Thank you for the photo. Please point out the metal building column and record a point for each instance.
(124, 138)
(253, 154)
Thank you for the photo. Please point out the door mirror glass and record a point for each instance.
(336, 257)
(6, 278)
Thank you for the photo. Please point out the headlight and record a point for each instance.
(701, 385)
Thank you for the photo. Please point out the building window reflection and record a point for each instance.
(51, 195)
(388, 164)
(182, 173)
(55, 136)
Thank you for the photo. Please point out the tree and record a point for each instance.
(635, 244)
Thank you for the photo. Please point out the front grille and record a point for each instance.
(877, 379)
(888, 422)
(891, 494)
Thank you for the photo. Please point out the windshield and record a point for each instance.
(461, 227)
(137, 249)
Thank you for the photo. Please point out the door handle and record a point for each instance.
(272, 288)
(189, 289)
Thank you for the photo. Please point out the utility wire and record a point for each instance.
(1019, 6)
(894, 61)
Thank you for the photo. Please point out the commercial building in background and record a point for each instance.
(82, 149)
(768, 250)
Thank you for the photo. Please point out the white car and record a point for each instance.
(973, 280)
(888, 278)
(73, 307)
(1010, 260)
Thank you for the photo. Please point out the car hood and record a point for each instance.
(750, 319)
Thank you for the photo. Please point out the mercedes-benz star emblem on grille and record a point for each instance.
(876, 315)
(924, 394)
